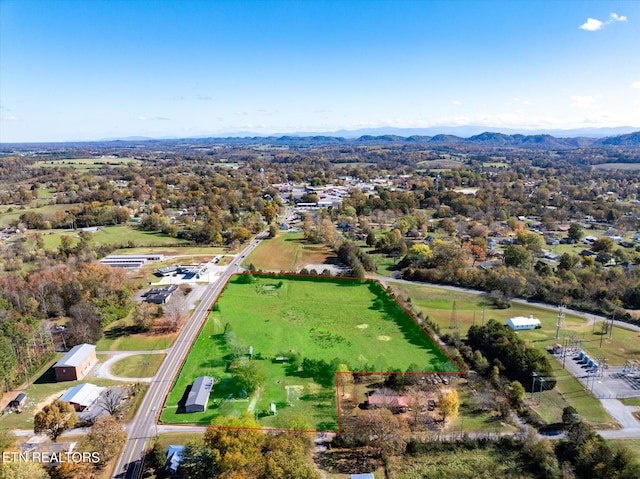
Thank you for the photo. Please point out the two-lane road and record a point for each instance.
(144, 424)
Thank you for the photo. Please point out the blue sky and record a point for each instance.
(82, 70)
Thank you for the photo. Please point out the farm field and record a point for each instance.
(364, 328)
(47, 211)
(86, 163)
(287, 252)
(121, 234)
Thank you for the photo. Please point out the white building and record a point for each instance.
(520, 322)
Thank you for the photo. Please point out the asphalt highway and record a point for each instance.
(145, 423)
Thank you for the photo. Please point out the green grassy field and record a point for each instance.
(138, 366)
(7, 217)
(121, 234)
(286, 252)
(86, 163)
(121, 335)
(631, 401)
(280, 315)
(632, 445)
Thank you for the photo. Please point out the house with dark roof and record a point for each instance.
(159, 295)
(199, 395)
(76, 363)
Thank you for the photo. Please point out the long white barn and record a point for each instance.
(521, 322)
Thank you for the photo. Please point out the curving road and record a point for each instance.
(144, 424)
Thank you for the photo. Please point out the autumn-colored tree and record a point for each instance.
(106, 436)
(269, 213)
(237, 444)
(448, 404)
(286, 456)
(7, 439)
(23, 470)
(385, 431)
(54, 419)
(143, 315)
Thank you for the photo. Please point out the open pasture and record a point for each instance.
(351, 322)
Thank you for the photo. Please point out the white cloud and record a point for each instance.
(593, 24)
(584, 101)
(11, 118)
(635, 84)
(614, 17)
(456, 102)
(154, 118)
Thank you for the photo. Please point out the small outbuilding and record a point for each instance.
(198, 397)
(521, 322)
(19, 401)
(82, 396)
(76, 363)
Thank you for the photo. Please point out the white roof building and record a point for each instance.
(521, 322)
(82, 396)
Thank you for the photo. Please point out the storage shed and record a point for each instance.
(520, 322)
(199, 395)
(76, 363)
(19, 401)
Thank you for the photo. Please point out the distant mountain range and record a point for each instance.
(460, 131)
(457, 131)
(590, 138)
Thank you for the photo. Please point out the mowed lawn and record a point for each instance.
(321, 318)
(121, 234)
(287, 252)
(138, 366)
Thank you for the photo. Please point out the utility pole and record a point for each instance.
(613, 318)
(560, 318)
(534, 374)
(453, 322)
(540, 396)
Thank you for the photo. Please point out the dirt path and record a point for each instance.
(254, 400)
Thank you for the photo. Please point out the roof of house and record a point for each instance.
(75, 356)
(174, 457)
(84, 394)
(200, 391)
(389, 401)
